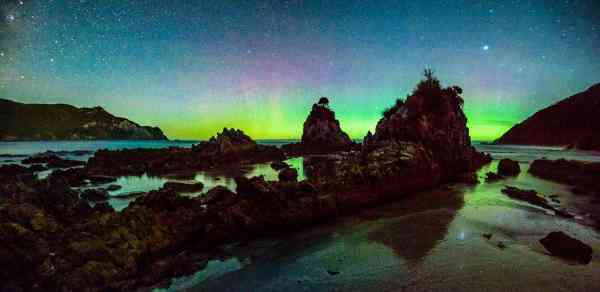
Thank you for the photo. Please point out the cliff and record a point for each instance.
(571, 122)
(19, 121)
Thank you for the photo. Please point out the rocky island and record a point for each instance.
(572, 122)
(33, 122)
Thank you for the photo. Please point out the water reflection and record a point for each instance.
(221, 177)
(420, 223)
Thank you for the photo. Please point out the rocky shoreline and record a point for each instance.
(53, 239)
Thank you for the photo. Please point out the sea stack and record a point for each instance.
(322, 132)
(572, 122)
(433, 117)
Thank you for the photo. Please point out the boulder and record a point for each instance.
(532, 197)
(583, 175)
(562, 245)
(279, 165)
(219, 196)
(507, 167)
(180, 187)
(252, 187)
(288, 174)
(95, 195)
(492, 177)
(52, 161)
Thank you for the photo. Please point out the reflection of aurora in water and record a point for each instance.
(429, 241)
(210, 179)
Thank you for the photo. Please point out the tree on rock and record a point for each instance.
(324, 101)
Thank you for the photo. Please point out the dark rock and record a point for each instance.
(228, 147)
(95, 195)
(37, 168)
(128, 195)
(492, 177)
(529, 196)
(252, 187)
(101, 179)
(180, 187)
(220, 196)
(279, 165)
(578, 191)
(103, 207)
(487, 236)
(64, 122)
(332, 273)
(501, 245)
(467, 178)
(571, 121)
(112, 188)
(322, 130)
(532, 197)
(507, 167)
(561, 245)
(288, 174)
(583, 175)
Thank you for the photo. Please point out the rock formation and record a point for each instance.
(432, 118)
(229, 146)
(20, 121)
(321, 133)
(561, 245)
(570, 122)
(51, 239)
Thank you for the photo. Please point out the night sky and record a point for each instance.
(194, 67)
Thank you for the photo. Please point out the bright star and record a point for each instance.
(486, 47)
(10, 18)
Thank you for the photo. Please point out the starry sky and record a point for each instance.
(194, 67)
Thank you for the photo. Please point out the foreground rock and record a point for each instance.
(179, 187)
(532, 197)
(570, 122)
(507, 167)
(561, 245)
(583, 175)
(321, 133)
(288, 174)
(19, 121)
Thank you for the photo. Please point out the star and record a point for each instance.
(486, 47)
(10, 18)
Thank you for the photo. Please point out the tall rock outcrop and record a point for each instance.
(418, 143)
(432, 117)
(571, 122)
(322, 132)
(19, 121)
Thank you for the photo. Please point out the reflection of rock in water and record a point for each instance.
(418, 224)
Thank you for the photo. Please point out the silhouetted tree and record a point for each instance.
(324, 101)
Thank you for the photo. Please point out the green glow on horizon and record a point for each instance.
(274, 121)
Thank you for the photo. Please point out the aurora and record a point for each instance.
(194, 68)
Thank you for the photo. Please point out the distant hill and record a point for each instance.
(19, 121)
(573, 122)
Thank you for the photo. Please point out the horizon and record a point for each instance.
(194, 68)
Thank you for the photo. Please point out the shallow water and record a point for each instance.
(429, 241)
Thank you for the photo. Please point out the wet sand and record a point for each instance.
(430, 241)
